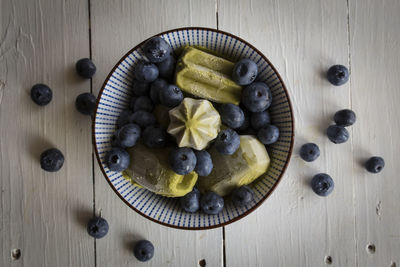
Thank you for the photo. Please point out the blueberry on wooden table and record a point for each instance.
(309, 152)
(97, 227)
(227, 142)
(146, 72)
(86, 103)
(117, 159)
(337, 134)
(140, 88)
(260, 119)
(85, 68)
(171, 96)
(41, 94)
(245, 71)
(338, 75)
(242, 196)
(182, 160)
(231, 115)
(211, 203)
(144, 250)
(157, 49)
(191, 201)
(268, 135)
(154, 137)
(256, 97)
(322, 184)
(204, 163)
(51, 160)
(345, 117)
(375, 164)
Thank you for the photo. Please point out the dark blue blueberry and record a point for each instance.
(86, 103)
(182, 160)
(338, 75)
(124, 118)
(246, 122)
(97, 227)
(345, 117)
(85, 68)
(375, 164)
(337, 134)
(309, 152)
(128, 135)
(157, 49)
(171, 96)
(140, 88)
(51, 160)
(260, 119)
(257, 97)
(191, 201)
(132, 102)
(154, 137)
(211, 203)
(146, 72)
(245, 72)
(166, 68)
(204, 164)
(143, 118)
(231, 115)
(242, 196)
(117, 159)
(227, 142)
(322, 184)
(155, 88)
(268, 135)
(143, 103)
(144, 250)
(41, 94)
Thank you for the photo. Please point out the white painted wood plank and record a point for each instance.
(117, 26)
(295, 227)
(44, 214)
(375, 64)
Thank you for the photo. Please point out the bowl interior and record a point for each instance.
(115, 96)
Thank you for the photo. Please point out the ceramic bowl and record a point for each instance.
(115, 95)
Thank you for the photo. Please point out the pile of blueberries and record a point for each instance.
(322, 184)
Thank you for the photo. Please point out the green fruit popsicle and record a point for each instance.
(207, 76)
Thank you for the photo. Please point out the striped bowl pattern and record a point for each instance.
(115, 95)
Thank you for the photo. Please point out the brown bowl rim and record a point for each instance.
(272, 189)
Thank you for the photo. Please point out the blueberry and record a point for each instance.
(41, 94)
(124, 118)
(128, 135)
(51, 160)
(191, 201)
(86, 103)
(204, 164)
(182, 160)
(245, 72)
(157, 49)
(143, 118)
(171, 96)
(268, 135)
(117, 159)
(375, 164)
(257, 97)
(144, 250)
(242, 196)
(322, 184)
(309, 152)
(231, 115)
(246, 122)
(260, 119)
(227, 142)
(345, 117)
(337, 134)
(97, 227)
(166, 67)
(85, 68)
(140, 88)
(146, 72)
(155, 88)
(211, 203)
(143, 103)
(132, 102)
(154, 137)
(338, 75)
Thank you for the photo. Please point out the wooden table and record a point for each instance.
(44, 215)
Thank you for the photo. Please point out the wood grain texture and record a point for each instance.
(295, 227)
(375, 64)
(117, 26)
(44, 214)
